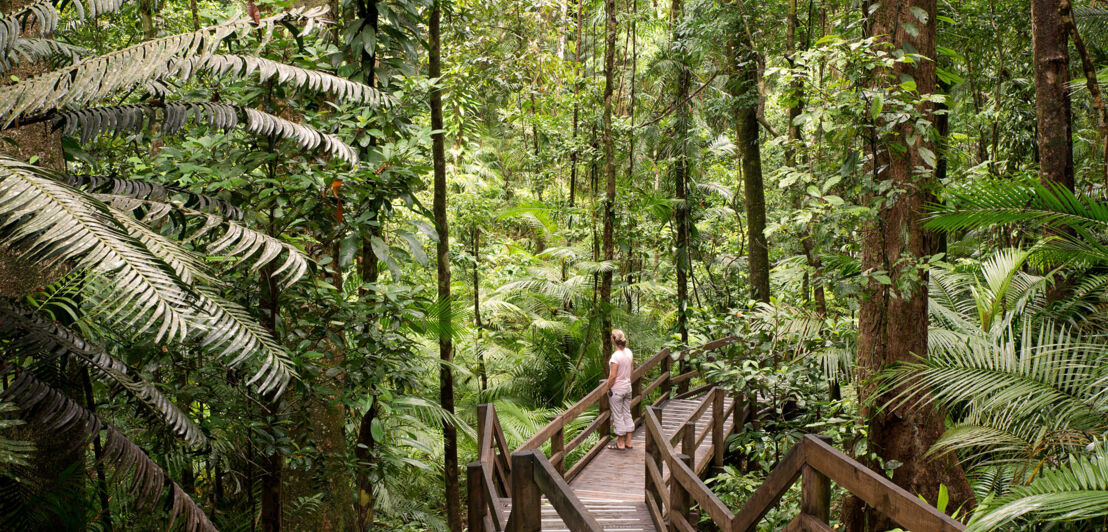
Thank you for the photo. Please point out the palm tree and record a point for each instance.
(111, 233)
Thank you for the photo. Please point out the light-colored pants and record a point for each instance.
(622, 423)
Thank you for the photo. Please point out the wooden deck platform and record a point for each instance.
(612, 486)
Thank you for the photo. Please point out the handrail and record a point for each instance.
(811, 459)
(534, 476)
(554, 432)
(499, 476)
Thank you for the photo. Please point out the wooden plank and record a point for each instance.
(718, 418)
(558, 449)
(879, 492)
(679, 494)
(561, 497)
(654, 479)
(684, 377)
(766, 496)
(638, 372)
(476, 498)
(559, 422)
(526, 500)
(815, 493)
(487, 484)
(655, 514)
(663, 379)
(680, 523)
(584, 461)
(584, 434)
(695, 392)
(807, 523)
(692, 417)
(681, 474)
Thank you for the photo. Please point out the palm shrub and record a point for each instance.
(1023, 389)
(137, 248)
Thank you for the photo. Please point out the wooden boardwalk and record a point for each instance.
(612, 486)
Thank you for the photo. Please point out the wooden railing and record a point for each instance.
(493, 480)
(813, 460)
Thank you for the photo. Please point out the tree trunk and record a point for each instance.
(610, 179)
(446, 345)
(893, 317)
(482, 376)
(745, 89)
(272, 463)
(681, 177)
(1052, 99)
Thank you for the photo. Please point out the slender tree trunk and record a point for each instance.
(105, 518)
(893, 318)
(681, 175)
(609, 177)
(446, 345)
(481, 372)
(745, 88)
(272, 463)
(1052, 99)
(1091, 83)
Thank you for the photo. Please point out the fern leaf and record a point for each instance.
(231, 328)
(95, 78)
(53, 223)
(52, 411)
(28, 333)
(241, 66)
(33, 50)
(155, 192)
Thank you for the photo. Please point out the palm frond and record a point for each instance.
(12, 452)
(51, 410)
(1043, 369)
(1074, 491)
(155, 192)
(27, 333)
(53, 223)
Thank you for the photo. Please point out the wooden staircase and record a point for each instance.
(657, 485)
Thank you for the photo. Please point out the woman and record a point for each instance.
(619, 391)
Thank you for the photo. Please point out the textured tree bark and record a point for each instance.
(609, 179)
(745, 90)
(446, 345)
(1052, 99)
(893, 318)
(272, 463)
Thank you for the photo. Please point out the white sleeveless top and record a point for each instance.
(625, 362)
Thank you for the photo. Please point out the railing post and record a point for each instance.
(678, 496)
(558, 445)
(655, 456)
(688, 443)
(815, 494)
(605, 428)
(482, 411)
(636, 390)
(682, 368)
(667, 370)
(476, 495)
(526, 500)
(717, 428)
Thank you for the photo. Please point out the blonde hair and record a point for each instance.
(619, 338)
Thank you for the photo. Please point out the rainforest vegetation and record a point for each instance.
(261, 261)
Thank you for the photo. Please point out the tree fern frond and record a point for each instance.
(242, 66)
(27, 333)
(157, 192)
(237, 240)
(1074, 491)
(52, 223)
(186, 264)
(33, 50)
(52, 411)
(12, 452)
(229, 327)
(93, 79)
(117, 119)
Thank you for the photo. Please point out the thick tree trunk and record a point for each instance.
(745, 89)
(893, 318)
(609, 178)
(1052, 99)
(446, 345)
